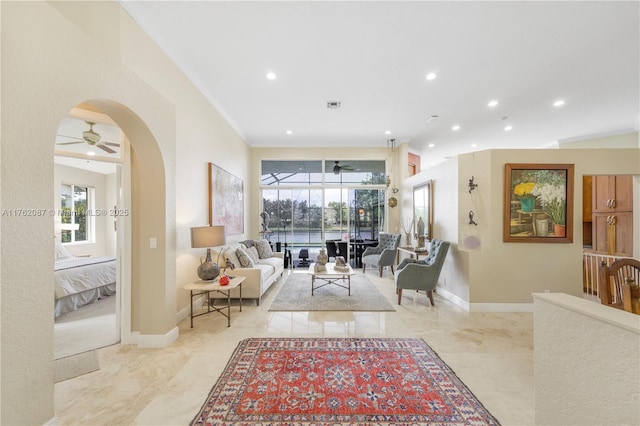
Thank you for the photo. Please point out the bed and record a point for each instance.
(80, 281)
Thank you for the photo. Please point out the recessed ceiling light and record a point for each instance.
(473, 145)
(558, 103)
(492, 103)
(455, 128)
(508, 128)
(431, 76)
(431, 145)
(271, 76)
(91, 153)
(333, 104)
(388, 132)
(289, 132)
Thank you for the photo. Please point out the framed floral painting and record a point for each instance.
(538, 203)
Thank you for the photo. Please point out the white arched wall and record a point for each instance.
(34, 99)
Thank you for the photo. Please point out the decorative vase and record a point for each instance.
(407, 236)
(559, 230)
(526, 204)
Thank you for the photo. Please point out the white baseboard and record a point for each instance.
(185, 312)
(484, 307)
(156, 340)
(453, 298)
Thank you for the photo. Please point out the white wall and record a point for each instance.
(104, 191)
(586, 365)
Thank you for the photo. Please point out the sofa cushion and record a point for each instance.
(264, 249)
(273, 262)
(253, 254)
(244, 258)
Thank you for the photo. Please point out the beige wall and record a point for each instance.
(501, 275)
(93, 53)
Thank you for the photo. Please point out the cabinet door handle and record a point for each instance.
(608, 220)
(613, 203)
(614, 219)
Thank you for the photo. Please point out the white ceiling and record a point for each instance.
(373, 57)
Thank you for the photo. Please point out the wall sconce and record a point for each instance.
(472, 185)
(471, 221)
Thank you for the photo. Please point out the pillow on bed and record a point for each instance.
(61, 252)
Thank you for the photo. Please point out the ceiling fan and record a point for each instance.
(91, 137)
(337, 168)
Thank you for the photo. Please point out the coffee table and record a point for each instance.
(331, 276)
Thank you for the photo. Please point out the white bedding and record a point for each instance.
(77, 274)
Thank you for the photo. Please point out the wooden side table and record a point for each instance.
(411, 252)
(200, 287)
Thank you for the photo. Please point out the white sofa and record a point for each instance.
(260, 277)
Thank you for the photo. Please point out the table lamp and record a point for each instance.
(207, 237)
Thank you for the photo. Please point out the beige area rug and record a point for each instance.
(75, 365)
(295, 295)
(90, 327)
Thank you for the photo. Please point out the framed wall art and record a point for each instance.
(538, 203)
(226, 200)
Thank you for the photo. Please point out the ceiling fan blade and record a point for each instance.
(111, 144)
(69, 143)
(106, 149)
(72, 137)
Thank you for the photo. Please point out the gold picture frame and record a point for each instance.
(538, 203)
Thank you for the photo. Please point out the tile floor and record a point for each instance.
(491, 352)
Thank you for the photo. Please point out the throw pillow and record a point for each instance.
(231, 258)
(61, 251)
(244, 258)
(253, 254)
(247, 243)
(264, 249)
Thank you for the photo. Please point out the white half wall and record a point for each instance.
(586, 364)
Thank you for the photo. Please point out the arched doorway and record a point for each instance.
(91, 187)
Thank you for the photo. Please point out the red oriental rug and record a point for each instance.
(292, 381)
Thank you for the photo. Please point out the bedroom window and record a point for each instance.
(75, 204)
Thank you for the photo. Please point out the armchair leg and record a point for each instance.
(364, 267)
(380, 272)
(399, 291)
(430, 294)
(392, 271)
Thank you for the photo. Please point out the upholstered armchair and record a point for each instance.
(384, 254)
(422, 274)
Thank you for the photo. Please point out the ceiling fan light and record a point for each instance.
(336, 170)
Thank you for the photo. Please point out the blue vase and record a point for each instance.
(526, 204)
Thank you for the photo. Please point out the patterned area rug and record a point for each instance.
(295, 295)
(296, 381)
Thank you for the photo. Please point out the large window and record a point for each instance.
(309, 202)
(75, 203)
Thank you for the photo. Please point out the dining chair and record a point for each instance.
(618, 284)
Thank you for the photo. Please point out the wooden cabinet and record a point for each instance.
(612, 231)
(612, 193)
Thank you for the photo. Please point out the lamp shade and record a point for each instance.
(208, 236)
